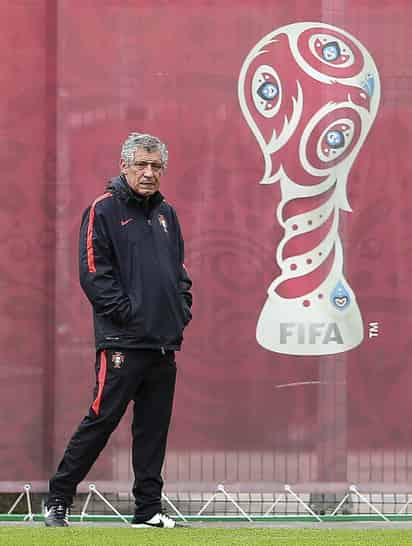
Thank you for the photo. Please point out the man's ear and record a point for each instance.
(123, 166)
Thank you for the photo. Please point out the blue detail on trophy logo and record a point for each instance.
(340, 297)
(335, 139)
(331, 51)
(369, 85)
(268, 91)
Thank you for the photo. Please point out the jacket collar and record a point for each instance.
(119, 186)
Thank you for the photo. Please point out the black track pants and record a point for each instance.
(148, 378)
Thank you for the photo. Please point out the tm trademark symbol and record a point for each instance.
(373, 329)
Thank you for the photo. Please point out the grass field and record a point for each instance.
(39, 536)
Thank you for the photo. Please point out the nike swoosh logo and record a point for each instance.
(124, 222)
(146, 524)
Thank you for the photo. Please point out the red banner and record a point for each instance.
(289, 167)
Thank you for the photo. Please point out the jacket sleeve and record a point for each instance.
(97, 277)
(185, 282)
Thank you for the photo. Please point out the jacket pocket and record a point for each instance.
(135, 310)
(134, 286)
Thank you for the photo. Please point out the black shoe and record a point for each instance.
(56, 515)
(160, 520)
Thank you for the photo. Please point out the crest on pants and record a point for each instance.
(117, 359)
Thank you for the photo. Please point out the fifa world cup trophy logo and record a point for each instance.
(309, 92)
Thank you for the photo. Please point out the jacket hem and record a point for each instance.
(125, 345)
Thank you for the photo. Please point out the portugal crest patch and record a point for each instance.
(117, 359)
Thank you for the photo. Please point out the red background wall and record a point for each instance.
(77, 77)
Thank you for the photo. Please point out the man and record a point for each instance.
(132, 271)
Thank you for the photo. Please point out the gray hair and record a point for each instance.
(147, 142)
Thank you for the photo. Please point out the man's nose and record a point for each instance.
(148, 169)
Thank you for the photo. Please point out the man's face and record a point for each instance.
(143, 175)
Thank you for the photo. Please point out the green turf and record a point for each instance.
(39, 536)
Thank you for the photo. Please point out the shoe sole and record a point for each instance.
(145, 526)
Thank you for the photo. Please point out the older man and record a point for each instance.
(132, 271)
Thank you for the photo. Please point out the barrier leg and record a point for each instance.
(403, 509)
(93, 490)
(26, 492)
(353, 489)
(273, 505)
(296, 497)
(339, 506)
(170, 503)
(221, 489)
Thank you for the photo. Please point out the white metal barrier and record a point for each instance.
(220, 490)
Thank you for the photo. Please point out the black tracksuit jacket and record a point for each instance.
(132, 271)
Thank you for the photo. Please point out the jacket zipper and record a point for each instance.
(149, 216)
